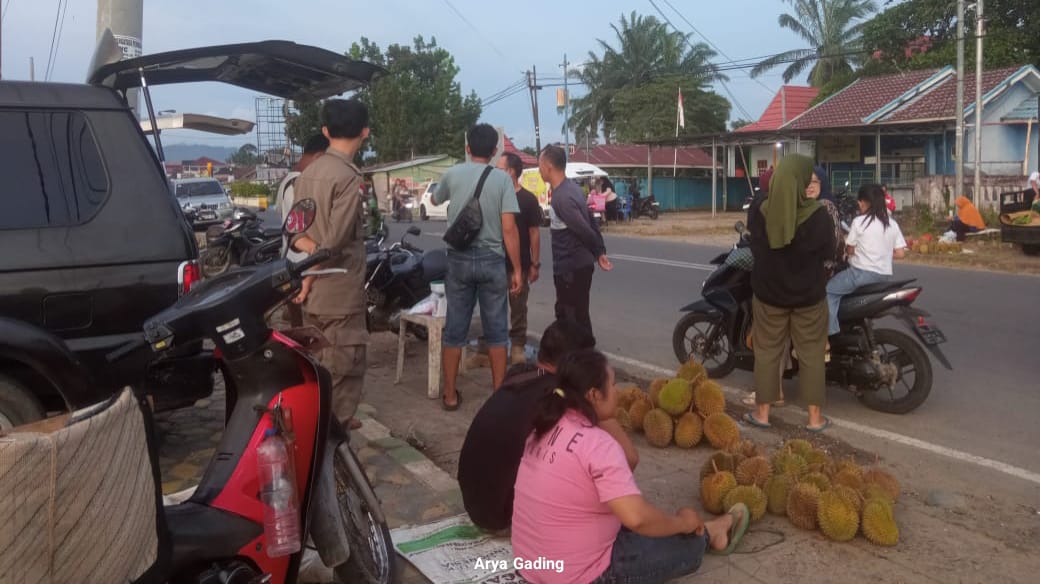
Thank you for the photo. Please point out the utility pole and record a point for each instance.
(980, 27)
(125, 18)
(566, 112)
(958, 145)
(532, 85)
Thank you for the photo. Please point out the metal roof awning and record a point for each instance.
(201, 123)
(751, 138)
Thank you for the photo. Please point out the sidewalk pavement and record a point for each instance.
(410, 450)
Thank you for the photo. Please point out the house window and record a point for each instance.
(762, 166)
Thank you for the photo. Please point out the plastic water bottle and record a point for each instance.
(281, 513)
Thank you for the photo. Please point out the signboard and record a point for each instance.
(131, 46)
(830, 149)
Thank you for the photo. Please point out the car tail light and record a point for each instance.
(907, 295)
(188, 275)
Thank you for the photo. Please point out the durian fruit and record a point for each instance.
(750, 495)
(688, 430)
(658, 427)
(720, 461)
(708, 398)
(655, 390)
(746, 448)
(692, 371)
(721, 430)
(817, 479)
(800, 447)
(637, 413)
(873, 491)
(848, 477)
(624, 419)
(838, 519)
(879, 523)
(675, 397)
(880, 478)
(628, 396)
(815, 456)
(847, 465)
(802, 503)
(850, 496)
(754, 471)
(714, 489)
(778, 487)
(787, 462)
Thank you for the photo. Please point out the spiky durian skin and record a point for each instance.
(817, 479)
(719, 461)
(872, 491)
(778, 487)
(848, 477)
(692, 371)
(721, 430)
(628, 396)
(879, 523)
(658, 427)
(688, 430)
(675, 397)
(837, 518)
(655, 390)
(787, 462)
(624, 419)
(850, 496)
(802, 504)
(708, 398)
(754, 471)
(714, 489)
(800, 447)
(884, 480)
(817, 457)
(746, 448)
(750, 495)
(637, 413)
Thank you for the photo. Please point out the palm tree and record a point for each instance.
(832, 28)
(645, 51)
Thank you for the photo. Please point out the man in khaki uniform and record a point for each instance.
(335, 303)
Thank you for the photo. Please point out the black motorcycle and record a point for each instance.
(397, 278)
(403, 209)
(887, 369)
(645, 207)
(242, 241)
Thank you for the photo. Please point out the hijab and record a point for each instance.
(825, 184)
(787, 206)
(968, 214)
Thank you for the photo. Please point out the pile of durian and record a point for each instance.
(805, 485)
(683, 410)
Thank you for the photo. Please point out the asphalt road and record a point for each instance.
(987, 406)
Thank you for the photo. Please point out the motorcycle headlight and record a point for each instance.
(407, 205)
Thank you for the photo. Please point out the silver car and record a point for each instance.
(206, 198)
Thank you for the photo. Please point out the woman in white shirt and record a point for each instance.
(874, 239)
(607, 188)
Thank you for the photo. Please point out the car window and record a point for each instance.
(199, 189)
(53, 173)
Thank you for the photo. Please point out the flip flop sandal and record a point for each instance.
(750, 419)
(741, 520)
(826, 424)
(451, 408)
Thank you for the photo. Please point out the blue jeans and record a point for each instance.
(846, 282)
(476, 275)
(638, 559)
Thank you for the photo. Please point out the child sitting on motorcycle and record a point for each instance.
(874, 239)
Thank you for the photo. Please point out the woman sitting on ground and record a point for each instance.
(873, 240)
(967, 220)
(578, 505)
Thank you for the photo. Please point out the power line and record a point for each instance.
(6, 6)
(57, 43)
(474, 28)
(509, 88)
(54, 36)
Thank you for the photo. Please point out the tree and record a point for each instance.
(648, 112)
(739, 123)
(832, 28)
(645, 53)
(303, 122)
(530, 151)
(246, 156)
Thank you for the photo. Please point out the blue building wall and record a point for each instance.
(693, 194)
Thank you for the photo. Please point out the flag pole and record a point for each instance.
(675, 150)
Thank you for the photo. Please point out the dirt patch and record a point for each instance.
(686, 227)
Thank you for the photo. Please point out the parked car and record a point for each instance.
(95, 242)
(427, 209)
(205, 198)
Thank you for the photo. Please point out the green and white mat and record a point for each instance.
(454, 551)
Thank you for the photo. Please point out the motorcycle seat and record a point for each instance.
(881, 287)
(271, 232)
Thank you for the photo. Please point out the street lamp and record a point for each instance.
(776, 152)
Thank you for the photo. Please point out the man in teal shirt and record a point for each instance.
(478, 274)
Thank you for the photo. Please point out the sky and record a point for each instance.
(493, 44)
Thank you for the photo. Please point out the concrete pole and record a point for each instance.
(714, 175)
(877, 153)
(958, 145)
(566, 112)
(125, 18)
(980, 26)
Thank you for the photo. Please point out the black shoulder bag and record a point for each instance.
(461, 234)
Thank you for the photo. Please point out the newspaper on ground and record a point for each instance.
(454, 551)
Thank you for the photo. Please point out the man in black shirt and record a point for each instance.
(528, 222)
(495, 441)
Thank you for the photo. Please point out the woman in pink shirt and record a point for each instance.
(578, 515)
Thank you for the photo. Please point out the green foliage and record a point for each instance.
(649, 111)
(529, 150)
(739, 123)
(304, 122)
(246, 156)
(250, 189)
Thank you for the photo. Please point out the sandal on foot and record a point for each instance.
(749, 400)
(750, 419)
(452, 407)
(818, 429)
(741, 519)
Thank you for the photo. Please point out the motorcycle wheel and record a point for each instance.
(902, 396)
(654, 213)
(423, 216)
(372, 557)
(215, 261)
(690, 338)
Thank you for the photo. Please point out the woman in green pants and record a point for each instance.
(791, 238)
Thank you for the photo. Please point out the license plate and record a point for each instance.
(930, 334)
(207, 215)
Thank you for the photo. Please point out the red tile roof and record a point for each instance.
(941, 102)
(634, 156)
(866, 95)
(527, 159)
(792, 98)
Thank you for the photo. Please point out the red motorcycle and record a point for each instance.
(229, 530)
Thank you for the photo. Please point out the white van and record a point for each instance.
(531, 180)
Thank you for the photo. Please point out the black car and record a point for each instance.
(94, 241)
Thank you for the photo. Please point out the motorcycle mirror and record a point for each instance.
(739, 227)
(414, 231)
(300, 217)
